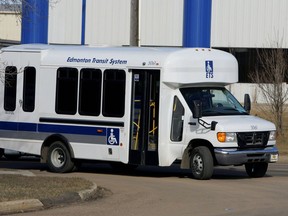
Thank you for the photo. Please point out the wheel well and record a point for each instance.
(185, 163)
(51, 139)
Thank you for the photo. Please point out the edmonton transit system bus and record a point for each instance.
(129, 106)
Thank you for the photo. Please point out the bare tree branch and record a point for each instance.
(270, 76)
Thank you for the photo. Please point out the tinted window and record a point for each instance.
(214, 101)
(66, 90)
(114, 93)
(90, 92)
(29, 89)
(177, 120)
(10, 88)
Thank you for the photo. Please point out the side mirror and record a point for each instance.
(213, 125)
(247, 103)
(197, 114)
(197, 109)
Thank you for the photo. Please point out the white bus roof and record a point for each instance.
(180, 66)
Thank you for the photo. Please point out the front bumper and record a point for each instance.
(233, 156)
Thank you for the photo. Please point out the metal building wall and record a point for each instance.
(237, 23)
(161, 22)
(65, 19)
(249, 23)
(107, 22)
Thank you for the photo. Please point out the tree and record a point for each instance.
(270, 75)
(16, 5)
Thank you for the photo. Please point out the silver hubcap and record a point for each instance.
(58, 157)
(197, 164)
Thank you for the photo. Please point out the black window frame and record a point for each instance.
(114, 85)
(90, 91)
(10, 89)
(66, 90)
(177, 123)
(29, 89)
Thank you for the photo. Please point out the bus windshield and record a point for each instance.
(215, 101)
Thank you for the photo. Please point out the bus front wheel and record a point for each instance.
(59, 158)
(201, 163)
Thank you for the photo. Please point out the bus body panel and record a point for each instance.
(147, 128)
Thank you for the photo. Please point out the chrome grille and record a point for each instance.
(252, 139)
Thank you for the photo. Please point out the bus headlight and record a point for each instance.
(272, 135)
(226, 137)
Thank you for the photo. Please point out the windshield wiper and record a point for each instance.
(236, 110)
(223, 111)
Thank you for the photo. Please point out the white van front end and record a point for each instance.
(217, 129)
(233, 136)
(252, 139)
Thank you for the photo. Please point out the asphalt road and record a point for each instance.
(171, 191)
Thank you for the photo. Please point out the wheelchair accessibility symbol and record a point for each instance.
(209, 69)
(112, 136)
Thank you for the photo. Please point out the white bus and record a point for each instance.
(129, 105)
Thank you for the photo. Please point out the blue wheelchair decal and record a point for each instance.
(209, 69)
(112, 136)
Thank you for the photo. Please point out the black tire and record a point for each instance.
(201, 163)
(59, 158)
(256, 170)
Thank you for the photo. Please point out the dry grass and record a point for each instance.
(16, 187)
(282, 140)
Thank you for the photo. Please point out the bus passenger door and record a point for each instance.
(144, 117)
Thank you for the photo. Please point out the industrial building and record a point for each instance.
(238, 26)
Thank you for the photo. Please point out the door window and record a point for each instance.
(177, 120)
(145, 109)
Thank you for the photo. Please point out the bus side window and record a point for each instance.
(90, 91)
(177, 120)
(66, 91)
(29, 89)
(10, 88)
(114, 93)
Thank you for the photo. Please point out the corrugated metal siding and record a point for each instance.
(161, 22)
(108, 22)
(235, 23)
(65, 19)
(249, 23)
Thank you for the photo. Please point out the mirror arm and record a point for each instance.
(204, 124)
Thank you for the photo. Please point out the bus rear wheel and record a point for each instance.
(201, 163)
(256, 170)
(59, 158)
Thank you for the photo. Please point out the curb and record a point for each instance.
(87, 194)
(19, 206)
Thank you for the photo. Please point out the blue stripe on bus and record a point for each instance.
(83, 130)
(8, 126)
(52, 128)
(26, 126)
